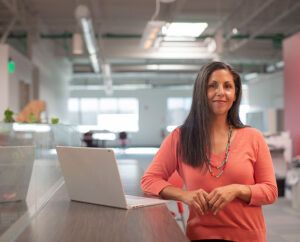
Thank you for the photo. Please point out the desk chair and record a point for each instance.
(176, 181)
(123, 139)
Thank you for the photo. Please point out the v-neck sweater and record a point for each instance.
(249, 163)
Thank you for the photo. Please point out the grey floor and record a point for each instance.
(282, 221)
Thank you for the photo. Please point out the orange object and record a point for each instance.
(35, 107)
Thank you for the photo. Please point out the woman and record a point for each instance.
(226, 166)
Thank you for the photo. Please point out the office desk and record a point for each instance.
(65, 220)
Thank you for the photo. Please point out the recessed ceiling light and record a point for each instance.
(185, 29)
(235, 31)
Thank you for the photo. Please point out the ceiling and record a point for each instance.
(119, 25)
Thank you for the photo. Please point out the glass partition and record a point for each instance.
(29, 170)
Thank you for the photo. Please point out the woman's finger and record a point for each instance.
(197, 207)
(216, 205)
(221, 206)
(202, 199)
(212, 199)
(198, 201)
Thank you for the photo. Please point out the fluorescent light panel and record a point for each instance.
(88, 36)
(150, 33)
(185, 29)
(95, 63)
(179, 39)
(90, 42)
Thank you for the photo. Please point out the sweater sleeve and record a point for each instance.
(162, 166)
(264, 191)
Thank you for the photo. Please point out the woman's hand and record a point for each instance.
(196, 199)
(203, 202)
(221, 196)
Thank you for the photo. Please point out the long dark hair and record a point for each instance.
(194, 136)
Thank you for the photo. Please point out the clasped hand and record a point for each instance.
(215, 201)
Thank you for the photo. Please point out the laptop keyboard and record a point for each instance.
(142, 201)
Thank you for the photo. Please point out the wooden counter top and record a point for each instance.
(65, 220)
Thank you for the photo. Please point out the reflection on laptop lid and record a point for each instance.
(16, 164)
(92, 175)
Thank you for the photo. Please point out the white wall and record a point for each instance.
(152, 111)
(9, 82)
(23, 72)
(55, 73)
(54, 76)
(265, 98)
(267, 91)
(4, 96)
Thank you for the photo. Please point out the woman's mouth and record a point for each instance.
(219, 101)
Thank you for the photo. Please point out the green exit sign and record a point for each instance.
(11, 66)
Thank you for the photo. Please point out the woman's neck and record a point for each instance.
(219, 124)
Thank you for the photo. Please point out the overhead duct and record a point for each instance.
(107, 79)
(165, 11)
(82, 14)
(153, 28)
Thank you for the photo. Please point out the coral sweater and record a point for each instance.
(249, 163)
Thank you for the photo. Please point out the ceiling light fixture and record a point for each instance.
(151, 31)
(107, 79)
(185, 29)
(235, 31)
(179, 39)
(82, 14)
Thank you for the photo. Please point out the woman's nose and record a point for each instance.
(220, 90)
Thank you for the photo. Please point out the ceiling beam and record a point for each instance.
(11, 5)
(250, 18)
(8, 29)
(223, 22)
(238, 45)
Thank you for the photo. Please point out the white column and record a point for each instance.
(272, 121)
(4, 84)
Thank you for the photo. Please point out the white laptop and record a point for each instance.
(16, 163)
(92, 175)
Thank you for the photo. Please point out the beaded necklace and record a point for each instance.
(209, 165)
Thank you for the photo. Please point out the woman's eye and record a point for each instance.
(228, 86)
(211, 85)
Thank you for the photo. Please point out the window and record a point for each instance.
(119, 114)
(73, 104)
(177, 111)
(88, 105)
(113, 114)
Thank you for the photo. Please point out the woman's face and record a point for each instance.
(220, 92)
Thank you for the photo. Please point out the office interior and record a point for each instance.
(119, 74)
